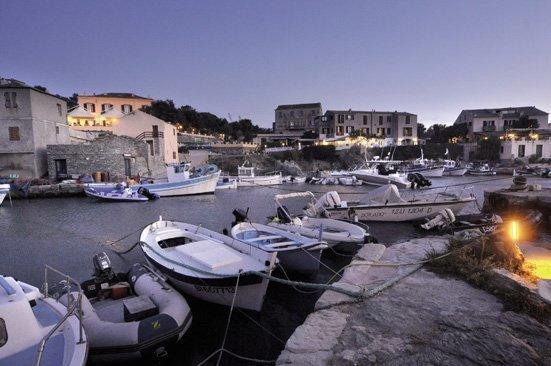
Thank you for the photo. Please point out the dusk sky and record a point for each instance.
(432, 58)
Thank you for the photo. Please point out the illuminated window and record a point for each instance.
(14, 133)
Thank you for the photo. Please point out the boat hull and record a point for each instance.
(191, 186)
(479, 173)
(97, 195)
(2, 196)
(455, 172)
(396, 212)
(428, 172)
(266, 180)
(300, 260)
(250, 292)
(381, 180)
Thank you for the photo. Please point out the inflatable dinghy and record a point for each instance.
(135, 314)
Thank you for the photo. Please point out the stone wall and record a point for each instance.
(106, 154)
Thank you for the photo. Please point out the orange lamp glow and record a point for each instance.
(514, 230)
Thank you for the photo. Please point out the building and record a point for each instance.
(124, 102)
(296, 118)
(524, 143)
(394, 128)
(240, 148)
(500, 119)
(30, 119)
(117, 157)
(158, 134)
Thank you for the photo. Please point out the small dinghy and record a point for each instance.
(121, 194)
(296, 253)
(208, 265)
(341, 235)
(37, 330)
(131, 314)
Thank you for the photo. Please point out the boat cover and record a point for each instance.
(385, 194)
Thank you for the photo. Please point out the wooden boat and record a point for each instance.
(37, 329)
(132, 314)
(208, 265)
(246, 177)
(180, 182)
(386, 204)
(296, 253)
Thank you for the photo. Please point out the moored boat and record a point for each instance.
(132, 314)
(246, 177)
(120, 194)
(386, 204)
(295, 253)
(376, 173)
(208, 265)
(482, 170)
(4, 191)
(226, 183)
(38, 330)
(451, 168)
(180, 182)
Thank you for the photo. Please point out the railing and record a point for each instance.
(74, 307)
(149, 134)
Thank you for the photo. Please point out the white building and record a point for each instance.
(500, 119)
(524, 143)
(30, 119)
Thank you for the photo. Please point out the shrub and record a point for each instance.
(319, 152)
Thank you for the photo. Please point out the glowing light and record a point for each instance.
(514, 231)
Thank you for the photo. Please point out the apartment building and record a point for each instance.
(30, 119)
(396, 128)
(482, 121)
(296, 118)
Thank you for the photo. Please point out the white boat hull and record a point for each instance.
(481, 173)
(232, 184)
(2, 196)
(191, 186)
(429, 172)
(455, 172)
(396, 212)
(381, 180)
(4, 191)
(266, 180)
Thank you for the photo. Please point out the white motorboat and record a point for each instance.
(482, 170)
(133, 314)
(350, 181)
(451, 168)
(4, 191)
(208, 265)
(295, 253)
(386, 204)
(291, 179)
(226, 183)
(246, 177)
(121, 193)
(342, 235)
(181, 183)
(38, 330)
(375, 173)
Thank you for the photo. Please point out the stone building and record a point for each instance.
(296, 118)
(116, 156)
(395, 128)
(30, 119)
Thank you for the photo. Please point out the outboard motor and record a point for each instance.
(240, 216)
(103, 272)
(418, 180)
(146, 193)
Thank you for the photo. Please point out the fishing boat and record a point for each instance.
(377, 173)
(35, 329)
(296, 253)
(482, 170)
(226, 183)
(425, 167)
(121, 193)
(181, 182)
(208, 265)
(246, 177)
(4, 191)
(133, 314)
(341, 235)
(386, 204)
(451, 168)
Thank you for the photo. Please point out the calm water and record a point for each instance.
(66, 233)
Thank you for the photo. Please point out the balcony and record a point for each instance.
(488, 128)
(149, 135)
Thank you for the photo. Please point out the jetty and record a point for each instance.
(418, 316)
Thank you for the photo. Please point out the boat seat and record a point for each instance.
(213, 255)
(265, 237)
(280, 244)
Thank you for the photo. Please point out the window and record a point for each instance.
(388, 131)
(521, 151)
(349, 117)
(349, 129)
(501, 149)
(324, 119)
(59, 111)
(3, 333)
(407, 131)
(389, 118)
(380, 131)
(106, 106)
(339, 130)
(14, 133)
(539, 151)
(11, 99)
(365, 120)
(150, 143)
(174, 155)
(380, 120)
(408, 120)
(340, 118)
(365, 131)
(301, 113)
(126, 108)
(57, 130)
(174, 132)
(60, 167)
(90, 107)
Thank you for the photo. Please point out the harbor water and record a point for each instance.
(66, 232)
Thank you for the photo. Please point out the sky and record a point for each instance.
(243, 58)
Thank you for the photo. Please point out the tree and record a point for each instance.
(526, 122)
(421, 130)
(488, 149)
(443, 133)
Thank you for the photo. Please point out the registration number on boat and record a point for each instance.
(215, 290)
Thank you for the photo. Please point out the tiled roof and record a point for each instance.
(507, 111)
(117, 95)
(349, 111)
(13, 83)
(298, 106)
